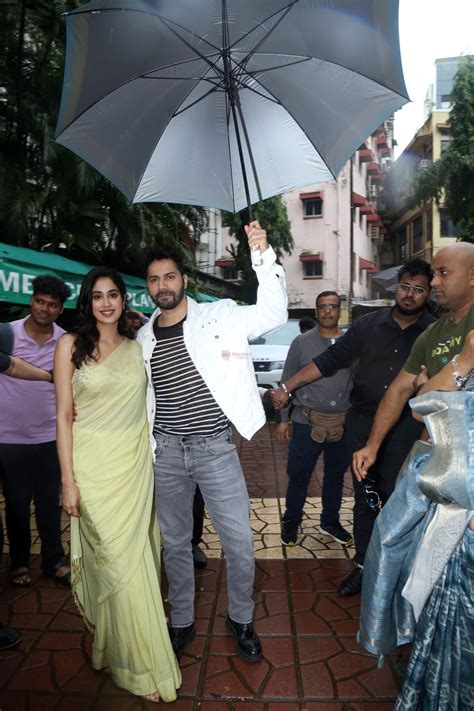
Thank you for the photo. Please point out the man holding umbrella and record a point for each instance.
(201, 378)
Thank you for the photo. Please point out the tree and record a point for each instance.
(49, 196)
(452, 176)
(272, 215)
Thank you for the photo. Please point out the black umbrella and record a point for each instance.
(225, 102)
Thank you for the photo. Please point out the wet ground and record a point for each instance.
(312, 661)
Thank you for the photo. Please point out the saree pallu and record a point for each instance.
(115, 548)
(435, 478)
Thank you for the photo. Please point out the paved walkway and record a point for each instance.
(312, 661)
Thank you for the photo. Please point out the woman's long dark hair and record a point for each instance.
(87, 333)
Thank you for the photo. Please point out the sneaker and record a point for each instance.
(289, 532)
(337, 532)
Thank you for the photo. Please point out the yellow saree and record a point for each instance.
(115, 550)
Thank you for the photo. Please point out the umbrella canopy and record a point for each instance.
(387, 278)
(223, 103)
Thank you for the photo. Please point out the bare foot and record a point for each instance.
(154, 698)
(20, 577)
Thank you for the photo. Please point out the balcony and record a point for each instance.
(365, 155)
(372, 168)
(424, 163)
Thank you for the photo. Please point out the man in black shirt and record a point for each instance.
(381, 341)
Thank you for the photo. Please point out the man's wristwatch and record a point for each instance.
(283, 387)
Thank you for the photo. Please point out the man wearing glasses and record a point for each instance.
(316, 427)
(380, 342)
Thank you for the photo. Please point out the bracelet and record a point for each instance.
(285, 389)
(459, 380)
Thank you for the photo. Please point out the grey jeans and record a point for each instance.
(213, 464)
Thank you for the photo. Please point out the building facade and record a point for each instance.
(421, 231)
(337, 231)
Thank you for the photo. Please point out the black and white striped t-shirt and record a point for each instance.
(184, 403)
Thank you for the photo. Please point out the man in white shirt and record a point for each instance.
(201, 378)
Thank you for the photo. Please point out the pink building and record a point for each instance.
(337, 231)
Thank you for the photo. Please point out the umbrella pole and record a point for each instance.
(241, 155)
(255, 253)
(233, 94)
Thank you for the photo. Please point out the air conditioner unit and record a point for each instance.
(373, 191)
(374, 232)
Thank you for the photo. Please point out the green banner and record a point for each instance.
(19, 266)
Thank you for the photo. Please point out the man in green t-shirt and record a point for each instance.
(453, 289)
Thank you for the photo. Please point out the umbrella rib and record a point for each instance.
(189, 45)
(270, 31)
(301, 128)
(278, 66)
(197, 101)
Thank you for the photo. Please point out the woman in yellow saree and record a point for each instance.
(107, 488)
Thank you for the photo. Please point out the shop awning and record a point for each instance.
(225, 262)
(367, 265)
(312, 196)
(19, 266)
(317, 257)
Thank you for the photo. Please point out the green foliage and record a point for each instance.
(49, 196)
(273, 217)
(452, 176)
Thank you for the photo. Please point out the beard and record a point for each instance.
(409, 312)
(167, 300)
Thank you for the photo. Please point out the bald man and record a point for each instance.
(453, 289)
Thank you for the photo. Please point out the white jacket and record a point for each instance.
(216, 336)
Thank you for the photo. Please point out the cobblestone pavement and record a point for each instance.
(312, 661)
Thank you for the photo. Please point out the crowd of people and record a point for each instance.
(136, 436)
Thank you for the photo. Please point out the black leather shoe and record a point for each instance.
(199, 557)
(180, 637)
(246, 641)
(352, 584)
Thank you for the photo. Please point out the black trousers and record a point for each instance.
(198, 516)
(390, 458)
(30, 472)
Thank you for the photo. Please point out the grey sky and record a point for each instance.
(429, 29)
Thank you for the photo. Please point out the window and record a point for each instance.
(313, 268)
(445, 141)
(230, 273)
(447, 227)
(313, 207)
(402, 244)
(417, 234)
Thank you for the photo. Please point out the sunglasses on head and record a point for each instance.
(372, 496)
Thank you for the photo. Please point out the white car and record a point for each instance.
(269, 353)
